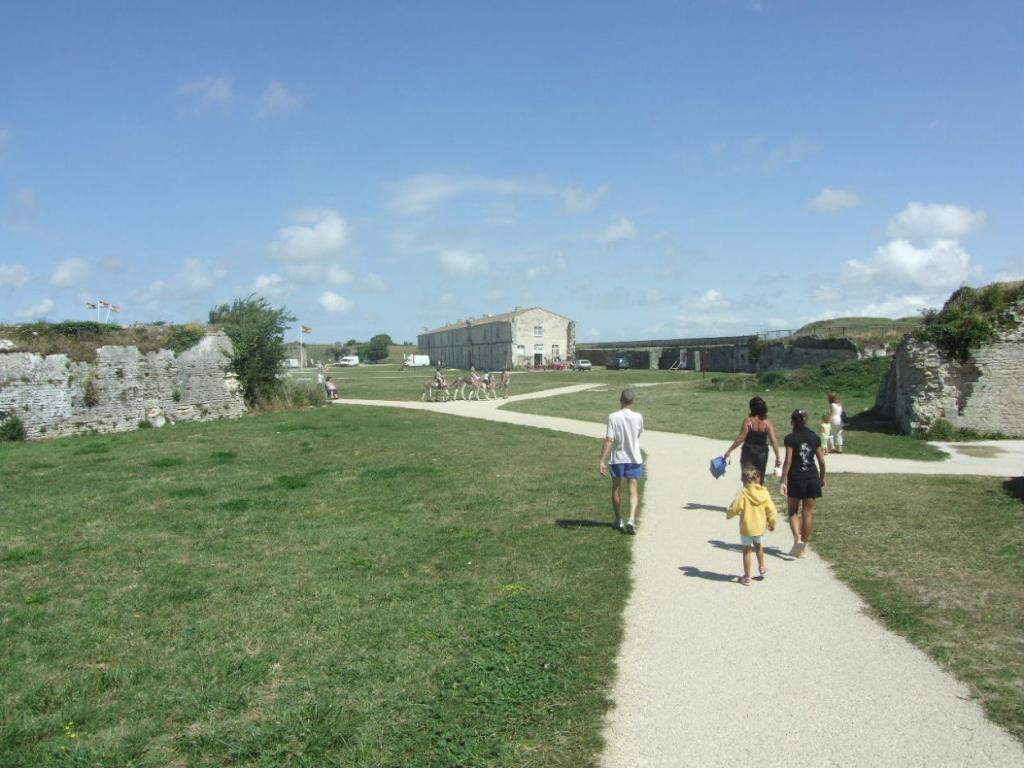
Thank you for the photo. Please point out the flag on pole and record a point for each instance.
(114, 307)
(90, 305)
(306, 329)
(103, 303)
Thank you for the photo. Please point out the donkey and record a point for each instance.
(431, 390)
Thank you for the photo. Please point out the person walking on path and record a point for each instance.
(756, 510)
(755, 433)
(803, 479)
(836, 413)
(622, 447)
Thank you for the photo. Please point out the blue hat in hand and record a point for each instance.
(718, 467)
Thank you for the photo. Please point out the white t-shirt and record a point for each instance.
(624, 427)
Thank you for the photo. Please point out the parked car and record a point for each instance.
(617, 364)
(348, 361)
(582, 365)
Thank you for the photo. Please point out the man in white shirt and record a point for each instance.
(622, 446)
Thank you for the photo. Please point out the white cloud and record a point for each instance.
(621, 229)
(793, 151)
(276, 99)
(208, 94)
(36, 311)
(576, 200)
(833, 199)
(374, 282)
(826, 294)
(901, 306)
(710, 299)
(943, 264)
(193, 280)
(6, 138)
(419, 194)
(332, 302)
(923, 222)
(460, 263)
(271, 285)
(338, 276)
(316, 233)
(14, 275)
(557, 264)
(70, 272)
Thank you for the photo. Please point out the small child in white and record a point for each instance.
(756, 510)
(826, 433)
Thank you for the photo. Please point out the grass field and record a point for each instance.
(330, 587)
(939, 561)
(685, 405)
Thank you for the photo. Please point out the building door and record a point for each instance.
(538, 358)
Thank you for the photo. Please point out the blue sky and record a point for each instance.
(648, 169)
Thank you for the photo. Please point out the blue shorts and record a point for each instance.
(627, 470)
(750, 541)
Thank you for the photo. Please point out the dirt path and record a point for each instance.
(787, 672)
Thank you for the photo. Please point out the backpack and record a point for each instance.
(842, 417)
(717, 467)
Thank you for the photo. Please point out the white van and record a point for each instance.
(349, 361)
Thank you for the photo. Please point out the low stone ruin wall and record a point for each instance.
(985, 394)
(54, 396)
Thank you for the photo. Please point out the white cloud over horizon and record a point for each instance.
(36, 311)
(942, 265)
(833, 200)
(923, 222)
(14, 275)
(208, 94)
(422, 193)
(334, 303)
(315, 234)
(277, 99)
(70, 273)
(617, 231)
(461, 263)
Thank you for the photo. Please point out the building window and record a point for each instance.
(538, 331)
(521, 350)
(538, 349)
(554, 350)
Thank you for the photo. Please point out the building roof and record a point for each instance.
(504, 317)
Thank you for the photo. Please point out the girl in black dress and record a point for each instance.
(755, 434)
(803, 478)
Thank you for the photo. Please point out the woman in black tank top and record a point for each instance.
(755, 434)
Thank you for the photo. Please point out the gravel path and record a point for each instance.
(787, 672)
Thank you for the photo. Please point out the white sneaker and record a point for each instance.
(617, 525)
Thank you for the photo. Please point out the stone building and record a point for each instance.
(984, 394)
(523, 337)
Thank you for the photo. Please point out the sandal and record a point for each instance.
(745, 581)
(764, 572)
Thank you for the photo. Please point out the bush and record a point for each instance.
(12, 430)
(971, 317)
(184, 337)
(940, 429)
(90, 395)
(256, 331)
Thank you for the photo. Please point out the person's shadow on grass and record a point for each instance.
(773, 551)
(567, 523)
(691, 570)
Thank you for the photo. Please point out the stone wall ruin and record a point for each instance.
(55, 396)
(985, 394)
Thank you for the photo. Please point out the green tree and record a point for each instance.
(376, 349)
(257, 332)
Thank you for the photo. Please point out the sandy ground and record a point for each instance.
(789, 671)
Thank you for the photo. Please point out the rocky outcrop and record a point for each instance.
(985, 394)
(54, 396)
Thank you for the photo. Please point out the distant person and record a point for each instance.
(756, 511)
(826, 433)
(838, 417)
(320, 382)
(755, 434)
(622, 446)
(803, 480)
(332, 389)
(506, 382)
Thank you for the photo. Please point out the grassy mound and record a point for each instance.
(79, 339)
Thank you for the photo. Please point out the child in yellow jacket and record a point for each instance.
(756, 510)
